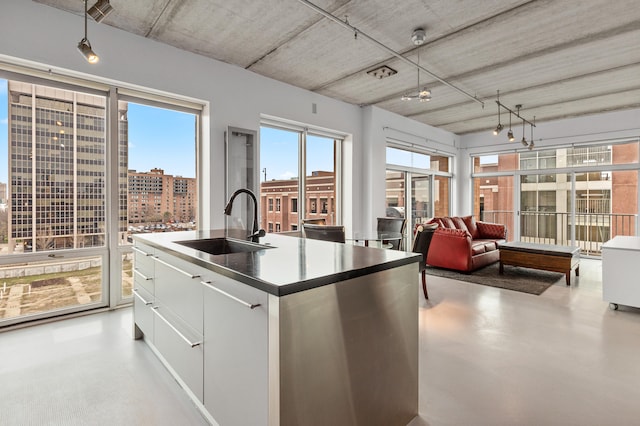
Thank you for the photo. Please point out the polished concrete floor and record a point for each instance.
(487, 357)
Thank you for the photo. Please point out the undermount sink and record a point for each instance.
(219, 246)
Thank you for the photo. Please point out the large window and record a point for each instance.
(418, 185)
(568, 196)
(66, 212)
(283, 151)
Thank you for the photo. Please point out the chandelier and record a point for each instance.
(530, 144)
(423, 94)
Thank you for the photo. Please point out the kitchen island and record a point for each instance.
(289, 331)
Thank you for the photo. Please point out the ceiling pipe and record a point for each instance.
(387, 49)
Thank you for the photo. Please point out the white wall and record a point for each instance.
(609, 126)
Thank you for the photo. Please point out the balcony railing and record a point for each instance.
(591, 229)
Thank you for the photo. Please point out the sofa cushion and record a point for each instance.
(472, 227)
(490, 245)
(447, 222)
(491, 230)
(459, 224)
(477, 248)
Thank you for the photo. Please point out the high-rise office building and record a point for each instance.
(57, 168)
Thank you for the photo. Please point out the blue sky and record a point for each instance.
(279, 154)
(161, 138)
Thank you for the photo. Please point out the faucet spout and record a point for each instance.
(255, 233)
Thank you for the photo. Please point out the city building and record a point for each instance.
(279, 201)
(155, 197)
(57, 196)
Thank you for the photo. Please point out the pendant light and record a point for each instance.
(510, 132)
(499, 127)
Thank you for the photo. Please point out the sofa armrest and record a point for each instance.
(488, 230)
(450, 248)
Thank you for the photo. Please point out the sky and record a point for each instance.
(279, 154)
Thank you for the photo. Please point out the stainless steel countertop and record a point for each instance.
(292, 264)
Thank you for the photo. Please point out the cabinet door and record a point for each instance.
(143, 313)
(181, 347)
(236, 349)
(177, 286)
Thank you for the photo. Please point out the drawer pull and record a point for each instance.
(224, 293)
(182, 336)
(135, 290)
(146, 278)
(144, 253)
(177, 269)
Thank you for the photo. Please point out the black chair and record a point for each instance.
(318, 221)
(392, 224)
(333, 233)
(421, 244)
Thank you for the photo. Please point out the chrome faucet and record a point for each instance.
(255, 232)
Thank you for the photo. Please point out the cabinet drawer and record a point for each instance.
(177, 286)
(142, 312)
(181, 348)
(141, 280)
(143, 263)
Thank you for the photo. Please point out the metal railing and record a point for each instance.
(591, 229)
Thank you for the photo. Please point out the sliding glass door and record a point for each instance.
(580, 196)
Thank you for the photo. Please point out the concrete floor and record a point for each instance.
(487, 357)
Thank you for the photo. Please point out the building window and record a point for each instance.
(294, 205)
(277, 227)
(270, 203)
(324, 205)
(312, 206)
(270, 227)
(277, 204)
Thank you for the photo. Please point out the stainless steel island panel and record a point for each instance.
(348, 352)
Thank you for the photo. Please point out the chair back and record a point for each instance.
(392, 224)
(317, 221)
(422, 241)
(333, 233)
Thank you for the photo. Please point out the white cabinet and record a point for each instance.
(236, 352)
(620, 259)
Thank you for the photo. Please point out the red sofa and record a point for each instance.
(464, 244)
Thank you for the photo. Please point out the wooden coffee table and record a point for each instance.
(541, 256)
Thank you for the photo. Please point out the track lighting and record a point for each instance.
(100, 10)
(510, 132)
(84, 46)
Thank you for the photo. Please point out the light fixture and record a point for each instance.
(524, 140)
(424, 94)
(499, 128)
(510, 132)
(531, 144)
(84, 46)
(100, 10)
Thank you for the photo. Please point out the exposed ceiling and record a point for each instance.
(558, 59)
